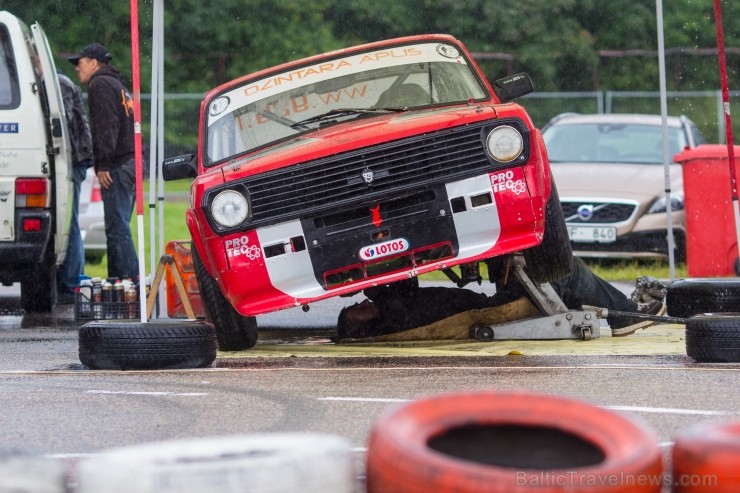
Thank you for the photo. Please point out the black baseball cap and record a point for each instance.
(95, 51)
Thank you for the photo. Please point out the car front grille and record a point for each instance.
(602, 212)
(398, 166)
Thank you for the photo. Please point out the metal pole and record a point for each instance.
(137, 153)
(153, 156)
(666, 157)
(728, 119)
(159, 19)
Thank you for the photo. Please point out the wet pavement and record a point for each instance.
(297, 380)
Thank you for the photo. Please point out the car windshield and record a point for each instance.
(611, 143)
(264, 111)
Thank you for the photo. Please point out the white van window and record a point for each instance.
(9, 91)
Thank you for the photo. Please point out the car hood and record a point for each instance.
(354, 135)
(641, 182)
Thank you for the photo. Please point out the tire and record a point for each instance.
(706, 459)
(39, 289)
(550, 260)
(275, 463)
(714, 337)
(234, 332)
(689, 297)
(25, 473)
(509, 441)
(127, 345)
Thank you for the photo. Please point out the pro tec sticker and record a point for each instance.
(508, 184)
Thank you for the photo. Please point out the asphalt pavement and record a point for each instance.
(297, 380)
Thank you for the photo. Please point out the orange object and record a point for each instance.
(499, 442)
(706, 459)
(180, 251)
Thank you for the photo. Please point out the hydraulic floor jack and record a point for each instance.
(556, 322)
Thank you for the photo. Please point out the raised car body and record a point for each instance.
(332, 174)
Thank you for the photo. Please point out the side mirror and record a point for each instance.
(513, 86)
(179, 167)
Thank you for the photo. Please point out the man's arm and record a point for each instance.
(104, 104)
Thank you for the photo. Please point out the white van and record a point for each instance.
(35, 159)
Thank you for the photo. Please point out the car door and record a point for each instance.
(60, 151)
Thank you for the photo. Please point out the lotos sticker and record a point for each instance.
(384, 249)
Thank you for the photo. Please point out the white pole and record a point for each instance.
(153, 157)
(159, 22)
(666, 157)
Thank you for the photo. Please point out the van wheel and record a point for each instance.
(39, 289)
(551, 259)
(714, 337)
(128, 345)
(689, 297)
(233, 331)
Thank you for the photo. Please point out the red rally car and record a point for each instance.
(361, 167)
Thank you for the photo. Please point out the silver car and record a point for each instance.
(610, 175)
(92, 222)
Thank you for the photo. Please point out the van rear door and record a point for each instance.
(60, 151)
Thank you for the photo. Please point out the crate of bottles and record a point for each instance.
(86, 309)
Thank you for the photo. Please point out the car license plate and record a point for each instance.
(592, 234)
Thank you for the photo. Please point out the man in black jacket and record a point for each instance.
(404, 305)
(112, 124)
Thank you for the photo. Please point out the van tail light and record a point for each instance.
(32, 192)
(95, 194)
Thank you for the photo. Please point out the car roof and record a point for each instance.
(634, 118)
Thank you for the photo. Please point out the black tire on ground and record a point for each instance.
(689, 297)
(551, 259)
(714, 337)
(129, 345)
(233, 331)
(39, 289)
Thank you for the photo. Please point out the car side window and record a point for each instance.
(9, 89)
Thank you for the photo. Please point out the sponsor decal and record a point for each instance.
(377, 220)
(237, 247)
(8, 128)
(448, 51)
(384, 249)
(218, 105)
(510, 181)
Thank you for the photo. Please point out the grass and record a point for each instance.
(174, 225)
(175, 229)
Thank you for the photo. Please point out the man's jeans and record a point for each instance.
(118, 204)
(74, 261)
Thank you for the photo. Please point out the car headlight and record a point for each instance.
(660, 204)
(230, 208)
(504, 143)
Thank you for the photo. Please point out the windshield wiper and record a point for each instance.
(345, 112)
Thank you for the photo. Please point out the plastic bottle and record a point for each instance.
(107, 291)
(131, 300)
(85, 297)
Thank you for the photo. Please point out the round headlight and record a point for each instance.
(229, 208)
(504, 143)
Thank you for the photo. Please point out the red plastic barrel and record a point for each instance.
(180, 251)
(711, 238)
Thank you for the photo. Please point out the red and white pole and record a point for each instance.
(138, 154)
(728, 119)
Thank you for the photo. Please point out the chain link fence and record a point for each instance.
(703, 107)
